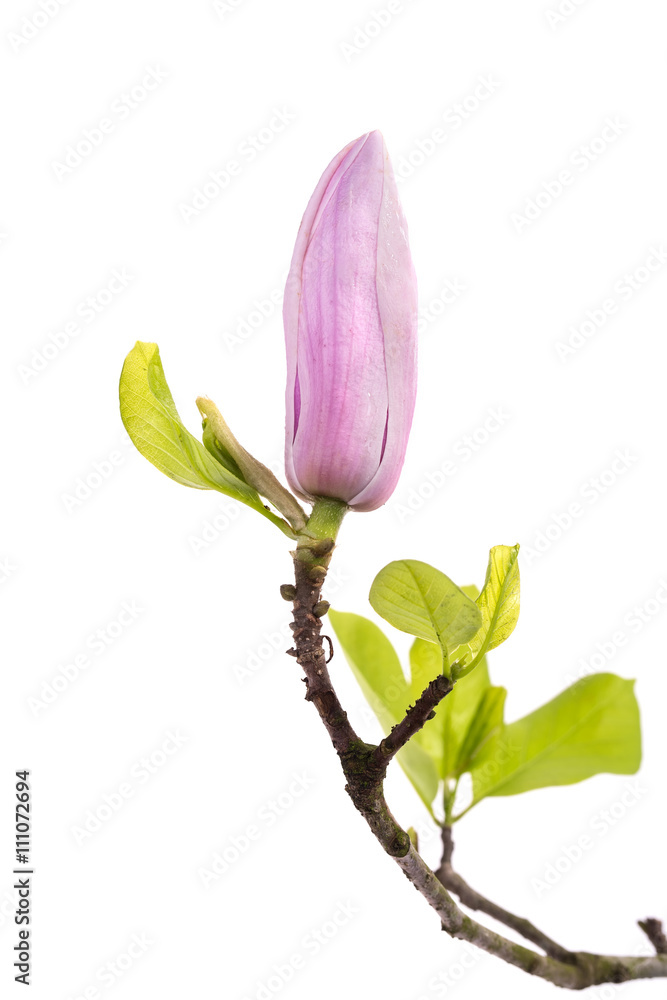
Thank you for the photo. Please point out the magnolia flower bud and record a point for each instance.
(350, 315)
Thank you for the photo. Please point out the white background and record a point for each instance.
(210, 615)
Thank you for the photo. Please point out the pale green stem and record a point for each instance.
(449, 798)
(326, 518)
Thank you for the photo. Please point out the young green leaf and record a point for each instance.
(251, 471)
(498, 604)
(463, 720)
(590, 728)
(425, 665)
(417, 598)
(218, 450)
(377, 668)
(373, 659)
(151, 419)
(485, 723)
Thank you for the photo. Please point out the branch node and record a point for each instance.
(652, 928)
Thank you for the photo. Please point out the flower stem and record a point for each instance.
(326, 518)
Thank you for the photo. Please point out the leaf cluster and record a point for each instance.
(590, 728)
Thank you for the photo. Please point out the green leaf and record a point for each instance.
(458, 710)
(222, 444)
(591, 728)
(218, 450)
(417, 598)
(499, 600)
(373, 660)
(425, 666)
(152, 421)
(155, 428)
(498, 604)
(377, 668)
(464, 720)
(485, 723)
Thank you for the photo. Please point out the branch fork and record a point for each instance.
(364, 766)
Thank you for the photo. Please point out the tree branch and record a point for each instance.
(310, 566)
(475, 901)
(364, 774)
(415, 718)
(590, 969)
(652, 928)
